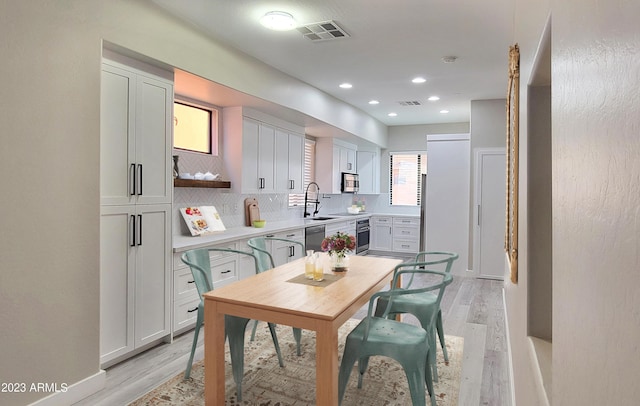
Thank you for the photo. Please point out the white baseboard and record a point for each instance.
(75, 392)
(509, 355)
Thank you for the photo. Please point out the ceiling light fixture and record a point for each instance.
(346, 85)
(433, 98)
(419, 80)
(392, 114)
(278, 21)
(374, 102)
(444, 111)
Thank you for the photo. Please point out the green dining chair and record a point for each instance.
(406, 343)
(425, 306)
(200, 264)
(265, 262)
(445, 256)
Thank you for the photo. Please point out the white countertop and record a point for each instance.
(183, 243)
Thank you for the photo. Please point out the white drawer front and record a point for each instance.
(185, 313)
(183, 284)
(406, 232)
(292, 235)
(406, 245)
(406, 221)
(224, 270)
(382, 220)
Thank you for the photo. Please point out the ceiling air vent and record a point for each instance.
(323, 31)
(410, 103)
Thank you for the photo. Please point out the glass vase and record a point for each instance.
(339, 262)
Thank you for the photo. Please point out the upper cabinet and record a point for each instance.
(333, 157)
(135, 142)
(368, 164)
(262, 154)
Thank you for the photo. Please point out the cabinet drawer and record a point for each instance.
(183, 284)
(406, 246)
(406, 232)
(406, 221)
(185, 313)
(224, 270)
(292, 235)
(381, 220)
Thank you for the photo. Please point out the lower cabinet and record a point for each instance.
(381, 237)
(400, 235)
(135, 278)
(226, 268)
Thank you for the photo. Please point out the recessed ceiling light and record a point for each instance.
(373, 102)
(392, 114)
(433, 98)
(346, 85)
(419, 80)
(278, 21)
(444, 111)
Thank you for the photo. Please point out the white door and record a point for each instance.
(488, 257)
(447, 195)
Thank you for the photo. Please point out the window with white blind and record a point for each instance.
(405, 170)
(297, 199)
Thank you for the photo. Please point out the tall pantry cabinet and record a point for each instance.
(135, 214)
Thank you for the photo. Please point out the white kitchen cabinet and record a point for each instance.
(135, 137)
(381, 233)
(282, 251)
(262, 153)
(333, 157)
(406, 235)
(135, 264)
(135, 212)
(368, 164)
(289, 162)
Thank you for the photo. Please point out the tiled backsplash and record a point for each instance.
(273, 207)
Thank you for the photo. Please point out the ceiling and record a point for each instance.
(389, 43)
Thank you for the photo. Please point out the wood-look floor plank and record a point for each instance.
(472, 364)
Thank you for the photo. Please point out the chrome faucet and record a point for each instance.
(306, 199)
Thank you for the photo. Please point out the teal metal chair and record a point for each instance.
(264, 263)
(199, 262)
(406, 343)
(425, 306)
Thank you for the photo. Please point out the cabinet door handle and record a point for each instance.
(191, 282)
(192, 310)
(132, 177)
(227, 271)
(132, 241)
(140, 229)
(140, 178)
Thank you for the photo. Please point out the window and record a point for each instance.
(195, 127)
(405, 170)
(297, 199)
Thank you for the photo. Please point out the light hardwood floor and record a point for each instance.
(472, 308)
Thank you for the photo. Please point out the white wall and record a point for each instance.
(596, 205)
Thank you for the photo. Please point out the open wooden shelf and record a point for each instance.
(220, 184)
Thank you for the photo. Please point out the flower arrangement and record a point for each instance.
(339, 244)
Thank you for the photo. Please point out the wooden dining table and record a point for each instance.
(282, 296)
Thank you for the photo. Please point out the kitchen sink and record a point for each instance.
(321, 218)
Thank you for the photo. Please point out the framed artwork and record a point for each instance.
(513, 95)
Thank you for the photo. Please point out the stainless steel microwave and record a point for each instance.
(350, 183)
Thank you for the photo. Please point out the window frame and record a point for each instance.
(297, 199)
(214, 126)
(421, 168)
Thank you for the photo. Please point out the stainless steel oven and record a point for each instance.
(362, 236)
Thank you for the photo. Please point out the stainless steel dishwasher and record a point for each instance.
(313, 237)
